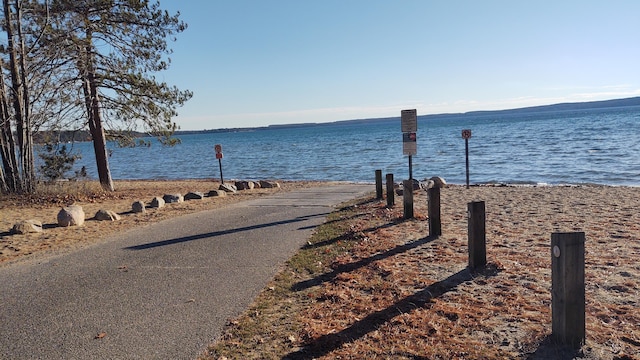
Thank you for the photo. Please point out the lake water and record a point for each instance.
(561, 147)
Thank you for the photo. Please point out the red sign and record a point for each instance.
(219, 155)
(218, 148)
(466, 134)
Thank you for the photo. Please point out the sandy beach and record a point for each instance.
(400, 294)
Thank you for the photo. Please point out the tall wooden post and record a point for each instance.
(390, 191)
(567, 288)
(433, 199)
(477, 235)
(378, 184)
(407, 195)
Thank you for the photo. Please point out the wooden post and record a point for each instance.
(433, 198)
(466, 151)
(378, 184)
(407, 194)
(390, 191)
(567, 288)
(477, 235)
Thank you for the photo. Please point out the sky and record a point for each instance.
(256, 63)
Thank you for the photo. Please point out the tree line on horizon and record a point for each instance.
(82, 65)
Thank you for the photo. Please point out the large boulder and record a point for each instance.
(173, 198)
(194, 195)
(157, 202)
(106, 215)
(217, 193)
(71, 215)
(27, 226)
(138, 207)
(269, 184)
(228, 188)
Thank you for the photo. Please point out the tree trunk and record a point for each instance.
(10, 173)
(92, 103)
(20, 96)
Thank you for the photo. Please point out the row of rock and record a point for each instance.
(73, 215)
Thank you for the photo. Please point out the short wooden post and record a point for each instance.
(433, 199)
(477, 235)
(407, 195)
(391, 200)
(567, 288)
(378, 184)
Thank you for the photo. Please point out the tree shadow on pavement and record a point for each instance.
(220, 233)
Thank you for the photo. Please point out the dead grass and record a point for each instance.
(371, 285)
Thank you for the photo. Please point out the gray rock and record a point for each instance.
(268, 184)
(106, 215)
(157, 202)
(438, 182)
(217, 193)
(71, 215)
(27, 226)
(138, 207)
(245, 185)
(173, 198)
(194, 195)
(228, 188)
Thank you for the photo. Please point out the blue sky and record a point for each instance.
(262, 62)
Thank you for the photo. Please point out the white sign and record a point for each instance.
(409, 120)
(409, 143)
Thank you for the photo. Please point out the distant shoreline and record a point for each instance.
(589, 105)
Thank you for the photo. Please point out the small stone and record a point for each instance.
(194, 195)
(228, 188)
(106, 215)
(173, 198)
(27, 226)
(157, 202)
(268, 184)
(138, 207)
(220, 193)
(71, 215)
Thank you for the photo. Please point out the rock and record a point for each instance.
(194, 195)
(228, 188)
(268, 184)
(106, 215)
(27, 226)
(256, 185)
(245, 185)
(71, 215)
(173, 198)
(438, 182)
(217, 193)
(157, 202)
(138, 207)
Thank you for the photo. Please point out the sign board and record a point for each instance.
(409, 144)
(218, 148)
(466, 134)
(409, 121)
(219, 155)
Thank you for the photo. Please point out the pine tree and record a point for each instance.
(116, 47)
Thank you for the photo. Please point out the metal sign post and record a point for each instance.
(466, 135)
(219, 156)
(409, 126)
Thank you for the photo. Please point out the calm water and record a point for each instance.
(586, 146)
